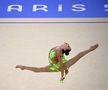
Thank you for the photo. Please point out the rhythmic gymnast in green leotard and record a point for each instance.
(58, 61)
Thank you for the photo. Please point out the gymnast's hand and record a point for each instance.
(66, 71)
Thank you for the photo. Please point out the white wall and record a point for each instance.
(28, 44)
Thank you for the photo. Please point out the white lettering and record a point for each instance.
(106, 7)
(14, 7)
(78, 7)
(60, 8)
(39, 7)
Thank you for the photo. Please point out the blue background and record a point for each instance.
(94, 9)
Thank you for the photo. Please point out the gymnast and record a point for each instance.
(58, 62)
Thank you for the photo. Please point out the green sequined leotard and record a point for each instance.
(55, 67)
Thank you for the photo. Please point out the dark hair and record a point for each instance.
(66, 51)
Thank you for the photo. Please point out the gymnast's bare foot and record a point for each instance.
(93, 47)
(20, 67)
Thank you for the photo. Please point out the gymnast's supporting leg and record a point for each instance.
(68, 64)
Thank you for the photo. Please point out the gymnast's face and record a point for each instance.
(66, 49)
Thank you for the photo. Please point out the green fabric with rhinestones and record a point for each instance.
(55, 67)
